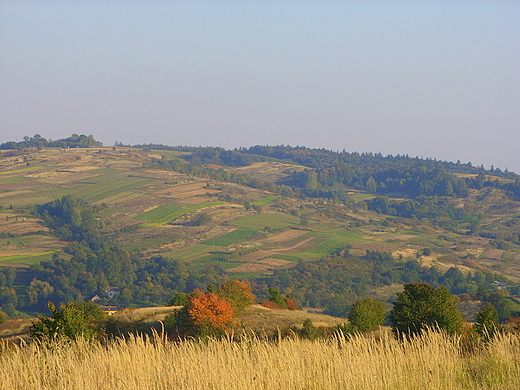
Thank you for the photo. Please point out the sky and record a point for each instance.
(434, 79)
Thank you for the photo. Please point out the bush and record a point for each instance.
(70, 322)
(3, 317)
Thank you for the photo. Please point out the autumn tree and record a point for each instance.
(205, 314)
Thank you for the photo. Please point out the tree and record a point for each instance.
(238, 293)
(70, 322)
(420, 307)
(487, 322)
(366, 314)
(371, 185)
(205, 314)
(276, 297)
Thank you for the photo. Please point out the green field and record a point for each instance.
(179, 213)
(15, 179)
(231, 237)
(158, 212)
(265, 201)
(29, 259)
(286, 257)
(275, 221)
(198, 264)
(31, 168)
(189, 252)
(109, 186)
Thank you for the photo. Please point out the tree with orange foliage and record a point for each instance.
(210, 309)
(238, 293)
(205, 314)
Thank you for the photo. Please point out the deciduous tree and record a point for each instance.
(238, 293)
(366, 314)
(420, 306)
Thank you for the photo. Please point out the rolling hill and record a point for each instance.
(264, 218)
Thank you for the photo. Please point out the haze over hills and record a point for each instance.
(322, 226)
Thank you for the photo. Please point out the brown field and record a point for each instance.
(267, 321)
(286, 236)
(259, 266)
(20, 225)
(304, 244)
(493, 254)
(271, 171)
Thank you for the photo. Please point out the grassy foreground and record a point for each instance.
(431, 362)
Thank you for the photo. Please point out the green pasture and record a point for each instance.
(171, 153)
(30, 168)
(109, 186)
(265, 201)
(275, 221)
(29, 259)
(15, 179)
(179, 213)
(188, 252)
(199, 263)
(232, 237)
(122, 197)
(360, 197)
(158, 212)
(286, 257)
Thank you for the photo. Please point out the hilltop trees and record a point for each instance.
(421, 306)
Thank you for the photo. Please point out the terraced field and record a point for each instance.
(152, 211)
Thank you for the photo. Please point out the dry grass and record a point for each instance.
(267, 322)
(432, 362)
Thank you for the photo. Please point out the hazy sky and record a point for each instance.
(436, 79)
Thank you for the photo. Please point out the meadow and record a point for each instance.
(433, 361)
(169, 213)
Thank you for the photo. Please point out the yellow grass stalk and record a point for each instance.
(433, 361)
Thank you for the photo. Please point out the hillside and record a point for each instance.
(251, 219)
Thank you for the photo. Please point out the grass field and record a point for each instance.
(179, 213)
(159, 212)
(275, 221)
(265, 201)
(109, 186)
(29, 259)
(199, 263)
(231, 238)
(432, 362)
(16, 179)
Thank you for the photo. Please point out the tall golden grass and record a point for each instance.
(434, 361)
